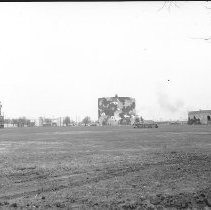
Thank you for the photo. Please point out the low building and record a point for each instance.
(47, 122)
(202, 116)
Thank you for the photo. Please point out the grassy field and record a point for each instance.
(105, 168)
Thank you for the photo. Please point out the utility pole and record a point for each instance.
(76, 119)
(1, 118)
(0, 108)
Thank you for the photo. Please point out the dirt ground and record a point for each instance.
(105, 168)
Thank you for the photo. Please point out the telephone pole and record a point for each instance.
(0, 108)
(1, 118)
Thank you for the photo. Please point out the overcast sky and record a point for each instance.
(58, 58)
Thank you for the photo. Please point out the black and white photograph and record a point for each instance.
(105, 105)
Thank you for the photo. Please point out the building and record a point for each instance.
(202, 116)
(47, 122)
(116, 110)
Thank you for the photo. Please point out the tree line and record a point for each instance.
(86, 121)
(24, 122)
(19, 122)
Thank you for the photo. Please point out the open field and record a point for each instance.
(105, 168)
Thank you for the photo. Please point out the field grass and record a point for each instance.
(105, 168)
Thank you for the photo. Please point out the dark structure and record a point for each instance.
(116, 110)
(145, 125)
(1, 118)
(199, 117)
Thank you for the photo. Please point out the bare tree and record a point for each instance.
(14, 122)
(7, 121)
(22, 121)
(66, 120)
(86, 120)
(138, 119)
(169, 4)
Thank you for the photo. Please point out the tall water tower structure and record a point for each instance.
(116, 110)
(1, 118)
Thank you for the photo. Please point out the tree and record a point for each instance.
(141, 119)
(105, 120)
(194, 121)
(190, 121)
(7, 121)
(66, 120)
(86, 120)
(14, 122)
(72, 122)
(137, 120)
(169, 4)
(22, 121)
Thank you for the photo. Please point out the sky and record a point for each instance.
(58, 58)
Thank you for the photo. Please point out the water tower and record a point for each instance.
(116, 110)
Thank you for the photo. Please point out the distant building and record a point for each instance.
(204, 116)
(116, 110)
(47, 122)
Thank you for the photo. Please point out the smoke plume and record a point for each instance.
(166, 104)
